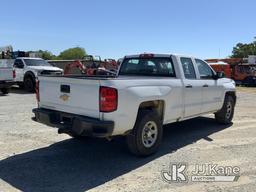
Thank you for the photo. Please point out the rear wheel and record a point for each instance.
(225, 115)
(5, 91)
(29, 84)
(146, 136)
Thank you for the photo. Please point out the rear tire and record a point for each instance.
(29, 84)
(225, 115)
(5, 91)
(146, 136)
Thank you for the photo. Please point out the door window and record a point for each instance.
(204, 70)
(188, 68)
(18, 64)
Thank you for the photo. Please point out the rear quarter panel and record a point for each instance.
(131, 93)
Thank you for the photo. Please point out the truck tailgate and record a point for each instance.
(6, 74)
(70, 95)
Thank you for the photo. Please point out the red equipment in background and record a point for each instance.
(242, 72)
(89, 66)
(75, 64)
(222, 67)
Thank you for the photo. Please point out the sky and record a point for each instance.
(114, 28)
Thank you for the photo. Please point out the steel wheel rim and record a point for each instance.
(149, 134)
(229, 110)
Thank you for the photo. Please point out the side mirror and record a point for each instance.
(219, 75)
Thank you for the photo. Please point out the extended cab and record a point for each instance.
(7, 75)
(27, 69)
(148, 92)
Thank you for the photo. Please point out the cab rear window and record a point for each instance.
(148, 67)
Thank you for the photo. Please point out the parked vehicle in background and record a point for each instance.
(27, 69)
(244, 74)
(7, 75)
(148, 92)
(243, 70)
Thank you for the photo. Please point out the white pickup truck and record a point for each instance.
(7, 75)
(28, 68)
(148, 92)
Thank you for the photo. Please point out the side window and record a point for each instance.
(204, 70)
(18, 63)
(188, 68)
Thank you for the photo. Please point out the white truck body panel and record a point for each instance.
(6, 74)
(6, 70)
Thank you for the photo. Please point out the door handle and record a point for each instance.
(189, 86)
(205, 85)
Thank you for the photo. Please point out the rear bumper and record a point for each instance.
(74, 124)
(6, 84)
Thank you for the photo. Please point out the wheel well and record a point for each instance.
(232, 94)
(157, 105)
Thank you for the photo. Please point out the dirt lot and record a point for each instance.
(34, 157)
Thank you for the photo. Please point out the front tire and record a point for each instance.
(225, 115)
(29, 84)
(146, 136)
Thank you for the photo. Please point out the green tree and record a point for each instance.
(47, 55)
(242, 50)
(72, 53)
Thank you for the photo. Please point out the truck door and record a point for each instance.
(212, 90)
(192, 89)
(19, 66)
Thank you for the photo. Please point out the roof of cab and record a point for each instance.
(156, 55)
(32, 58)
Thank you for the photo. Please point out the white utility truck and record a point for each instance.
(148, 91)
(7, 75)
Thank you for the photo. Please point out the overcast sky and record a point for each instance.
(114, 28)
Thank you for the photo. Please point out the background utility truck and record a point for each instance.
(7, 75)
(148, 92)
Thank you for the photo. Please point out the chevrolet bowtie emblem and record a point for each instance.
(64, 97)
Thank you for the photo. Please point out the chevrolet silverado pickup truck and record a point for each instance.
(148, 91)
(7, 75)
(28, 68)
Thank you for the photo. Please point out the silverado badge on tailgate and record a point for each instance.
(64, 97)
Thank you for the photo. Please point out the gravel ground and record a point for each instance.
(33, 157)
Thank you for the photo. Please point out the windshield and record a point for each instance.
(147, 67)
(36, 62)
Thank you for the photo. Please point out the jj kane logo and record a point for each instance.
(178, 172)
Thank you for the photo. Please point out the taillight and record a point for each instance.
(14, 74)
(37, 91)
(108, 99)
